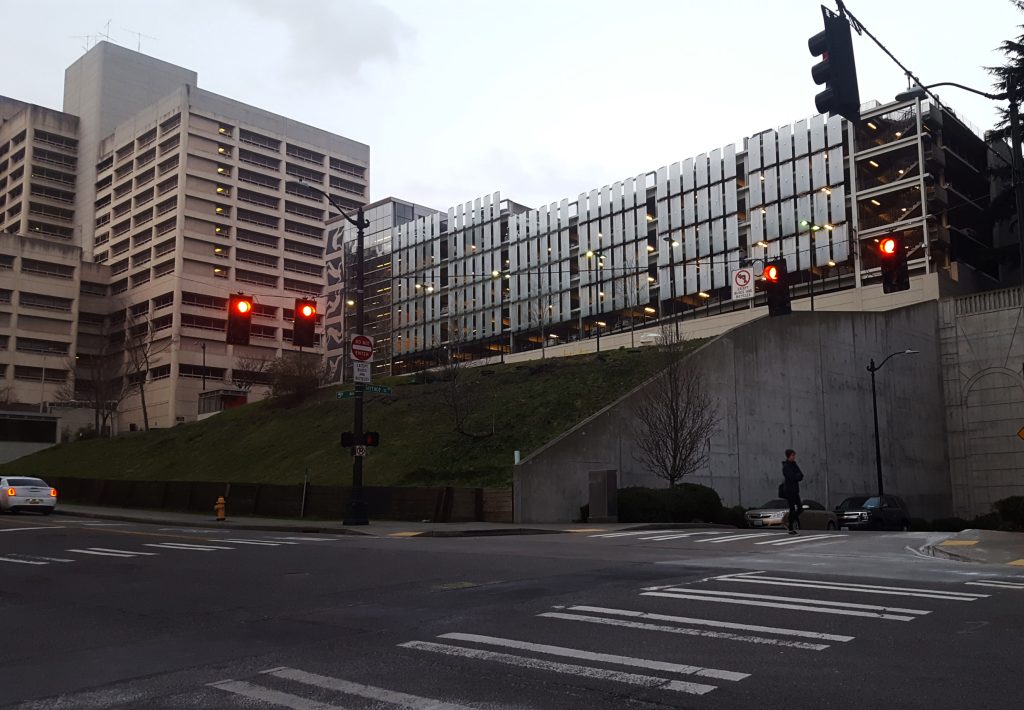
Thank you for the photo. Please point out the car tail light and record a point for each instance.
(53, 492)
(12, 492)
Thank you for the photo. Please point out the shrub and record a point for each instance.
(992, 521)
(1011, 511)
(920, 525)
(949, 524)
(733, 516)
(684, 503)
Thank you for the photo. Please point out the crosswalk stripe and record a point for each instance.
(187, 546)
(646, 681)
(679, 535)
(125, 552)
(267, 695)
(684, 631)
(108, 553)
(792, 603)
(22, 562)
(404, 700)
(599, 657)
(253, 542)
(801, 600)
(306, 539)
(34, 527)
(852, 587)
(636, 532)
(744, 536)
(798, 540)
(778, 631)
(997, 584)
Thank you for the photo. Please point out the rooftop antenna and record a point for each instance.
(138, 36)
(89, 40)
(105, 34)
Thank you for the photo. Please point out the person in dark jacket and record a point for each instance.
(791, 487)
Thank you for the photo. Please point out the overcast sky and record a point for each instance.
(540, 99)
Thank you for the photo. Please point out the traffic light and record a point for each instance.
(895, 272)
(837, 69)
(304, 323)
(239, 319)
(776, 287)
(369, 438)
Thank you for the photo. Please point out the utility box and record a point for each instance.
(604, 500)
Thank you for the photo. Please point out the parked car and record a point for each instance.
(775, 513)
(873, 513)
(19, 493)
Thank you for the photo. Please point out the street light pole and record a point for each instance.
(357, 513)
(672, 244)
(202, 344)
(872, 368)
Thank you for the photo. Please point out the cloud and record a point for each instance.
(333, 40)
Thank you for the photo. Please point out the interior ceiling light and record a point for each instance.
(872, 163)
(872, 126)
(876, 203)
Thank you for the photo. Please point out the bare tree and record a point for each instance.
(457, 395)
(141, 349)
(7, 395)
(99, 381)
(632, 292)
(249, 370)
(297, 375)
(677, 418)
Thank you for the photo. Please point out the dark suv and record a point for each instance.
(873, 513)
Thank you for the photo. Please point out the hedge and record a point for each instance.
(684, 503)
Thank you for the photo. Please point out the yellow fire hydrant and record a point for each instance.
(220, 508)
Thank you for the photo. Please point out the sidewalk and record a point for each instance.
(378, 528)
(989, 547)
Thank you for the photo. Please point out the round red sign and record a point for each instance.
(362, 348)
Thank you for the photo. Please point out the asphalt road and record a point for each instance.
(122, 615)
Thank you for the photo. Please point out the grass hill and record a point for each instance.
(513, 407)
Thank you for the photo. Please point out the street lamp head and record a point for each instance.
(910, 352)
(914, 92)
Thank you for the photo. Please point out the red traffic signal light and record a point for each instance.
(776, 288)
(368, 438)
(304, 323)
(895, 271)
(837, 69)
(239, 319)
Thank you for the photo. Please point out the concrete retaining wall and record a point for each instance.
(796, 382)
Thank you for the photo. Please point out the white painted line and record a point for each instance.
(806, 606)
(187, 546)
(133, 553)
(22, 562)
(861, 588)
(39, 557)
(581, 655)
(802, 600)
(680, 535)
(684, 631)
(798, 540)
(997, 584)
(744, 536)
(276, 697)
(103, 525)
(636, 532)
(40, 527)
(253, 542)
(404, 700)
(817, 635)
(306, 539)
(645, 681)
(103, 554)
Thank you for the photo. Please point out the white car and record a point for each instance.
(21, 493)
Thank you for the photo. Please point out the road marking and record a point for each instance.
(858, 588)
(681, 535)
(637, 532)
(958, 543)
(817, 635)
(998, 584)
(306, 539)
(404, 700)
(598, 657)
(21, 562)
(798, 540)
(646, 681)
(684, 631)
(41, 527)
(287, 700)
(583, 530)
(39, 557)
(1016, 563)
(105, 552)
(745, 536)
(253, 542)
(103, 525)
(794, 603)
(186, 546)
(404, 534)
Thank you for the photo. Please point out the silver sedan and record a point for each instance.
(775, 514)
(20, 493)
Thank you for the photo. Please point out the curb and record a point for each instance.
(942, 554)
(213, 524)
(494, 532)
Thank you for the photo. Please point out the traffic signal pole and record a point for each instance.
(357, 513)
